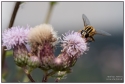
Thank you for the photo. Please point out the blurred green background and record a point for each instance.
(105, 56)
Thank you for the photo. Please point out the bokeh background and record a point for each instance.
(103, 61)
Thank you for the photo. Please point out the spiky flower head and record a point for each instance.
(20, 53)
(15, 35)
(64, 62)
(33, 62)
(73, 44)
(42, 39)
(42, 33)
(46, 55)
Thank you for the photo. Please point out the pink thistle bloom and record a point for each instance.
(15, 35)
(73, 44)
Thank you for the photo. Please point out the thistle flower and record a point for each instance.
(73, 44)
(42, 33)
(42, 39)
(33, 62)
(15, 35)
(15, 38)
(46, 55)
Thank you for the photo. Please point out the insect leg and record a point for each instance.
(92, 38)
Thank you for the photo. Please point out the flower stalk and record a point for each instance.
(51, 6)
(45, 78)
(10, 25)
(48, 75)
(28, 75)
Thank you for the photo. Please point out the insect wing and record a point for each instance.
(85, 20)
(89, 39)
(101, 32)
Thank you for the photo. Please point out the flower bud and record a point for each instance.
(20, 55)
(63, 62)
(33, 62)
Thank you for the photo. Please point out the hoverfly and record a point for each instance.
(89, 31)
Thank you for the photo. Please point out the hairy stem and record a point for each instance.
(10, 25)
(28, 75)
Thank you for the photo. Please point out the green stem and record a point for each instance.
(10, 25)
(49, 13)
